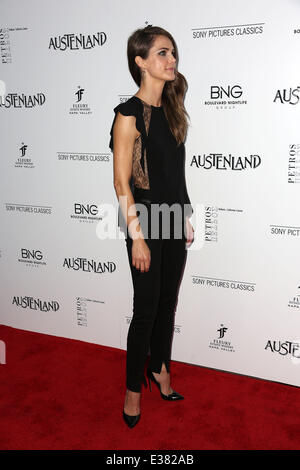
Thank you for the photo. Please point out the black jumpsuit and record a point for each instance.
(158, 177)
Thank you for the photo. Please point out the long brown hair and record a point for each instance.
(139, 43)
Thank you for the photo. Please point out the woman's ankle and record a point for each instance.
(132, 402)
(132, 397)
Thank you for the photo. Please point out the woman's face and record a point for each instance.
(161, 62)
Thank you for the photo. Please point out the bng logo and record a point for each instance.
(218, 92)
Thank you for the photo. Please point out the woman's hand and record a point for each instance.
(189, 231)
(141, 255)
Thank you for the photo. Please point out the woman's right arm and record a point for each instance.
(124, 136)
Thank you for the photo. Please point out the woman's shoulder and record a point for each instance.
(130, 107)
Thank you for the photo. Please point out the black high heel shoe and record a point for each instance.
(171, 397)
(131, 421)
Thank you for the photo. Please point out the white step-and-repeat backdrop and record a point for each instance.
(63, 70)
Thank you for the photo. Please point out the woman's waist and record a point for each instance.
(143, 195)
(147, 196)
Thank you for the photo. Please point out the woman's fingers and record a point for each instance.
(189, 231)
(142, 260)
(147, 265)
(141, 265)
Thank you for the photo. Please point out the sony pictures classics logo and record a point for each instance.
(226, 31)
(219, 343)
(80, 107)
(285, 230)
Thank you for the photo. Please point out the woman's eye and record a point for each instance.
(164, 53)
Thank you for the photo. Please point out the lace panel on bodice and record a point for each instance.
(140, 176)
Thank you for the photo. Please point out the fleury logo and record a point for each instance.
(24, 160)
(79, 93)
(220, 344)
(23, 149)
(80, 107)
(222, 331)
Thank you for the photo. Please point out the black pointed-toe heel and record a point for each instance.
(131, 421)
(171, 397)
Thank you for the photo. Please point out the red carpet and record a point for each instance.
(60, 393)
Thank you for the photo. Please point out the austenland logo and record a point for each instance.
(90, 266)
(35, 304)
(77, 41)
(287, 95)
(284, 348)
(16, 100)
(220, 161)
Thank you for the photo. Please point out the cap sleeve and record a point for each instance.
(128, 108)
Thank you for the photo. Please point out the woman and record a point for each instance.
(147, 141)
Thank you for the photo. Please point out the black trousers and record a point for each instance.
(154, 302)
